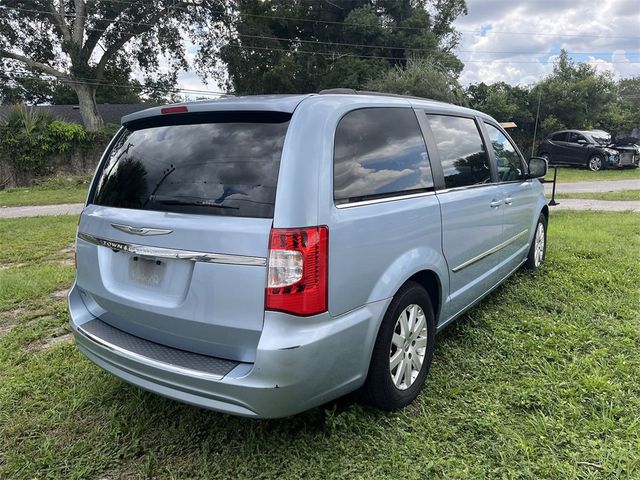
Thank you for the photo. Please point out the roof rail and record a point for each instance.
(345, 91)
(351, 91)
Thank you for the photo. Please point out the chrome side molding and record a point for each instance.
(490, 251)
(374, 201)
(161, 252)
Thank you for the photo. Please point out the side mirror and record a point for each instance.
(581, 141)
(537, 167)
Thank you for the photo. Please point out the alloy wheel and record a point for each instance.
(408, 346)
(538, 252)
(595, 163)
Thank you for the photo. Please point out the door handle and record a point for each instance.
(495, 203)
(508, 201)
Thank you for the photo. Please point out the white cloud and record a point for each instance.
(603, 33)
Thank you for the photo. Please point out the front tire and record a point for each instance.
(403, 350)
(538, 248)
(595, 163)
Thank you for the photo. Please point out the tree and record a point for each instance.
(421, 78)
(30, 90)
(78, 42)
(284, 47)
(623, 117)
(629, 91)
(576, 94)
(118, 88)
(507, 103)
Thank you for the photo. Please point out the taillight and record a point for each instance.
(297, 270)
(178, 109)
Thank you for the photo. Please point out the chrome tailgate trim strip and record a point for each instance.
(161, 252)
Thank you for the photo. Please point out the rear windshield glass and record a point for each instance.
(223, 163)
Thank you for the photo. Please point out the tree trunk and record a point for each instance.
(88, 108)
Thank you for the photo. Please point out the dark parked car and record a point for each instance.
(593, 149)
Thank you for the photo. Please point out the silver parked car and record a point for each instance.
(264, 255)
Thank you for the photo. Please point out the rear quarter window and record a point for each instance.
(223, 163)
(559, 137)
(379, 152)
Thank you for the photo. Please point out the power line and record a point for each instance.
(345, 24)
(396, 47)
(391, 47)
(86, 81)
(337, 55)
(345, 44)
(398, 27)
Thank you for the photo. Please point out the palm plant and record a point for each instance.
(26, 119)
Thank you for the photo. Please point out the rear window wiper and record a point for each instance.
(194, 203)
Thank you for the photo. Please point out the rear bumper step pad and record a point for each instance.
(154, 354)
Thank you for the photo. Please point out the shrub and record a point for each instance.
(422, 77)
(29, 137)
(59, 136)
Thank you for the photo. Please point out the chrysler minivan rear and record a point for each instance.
(183, 285)
(264, 255)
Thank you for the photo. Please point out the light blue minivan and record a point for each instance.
(264, 255)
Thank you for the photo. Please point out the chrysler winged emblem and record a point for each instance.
(140, 230)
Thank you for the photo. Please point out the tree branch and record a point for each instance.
(33, 64)
(58, 20)
(79, 22)
(115, 47)
(93, 37)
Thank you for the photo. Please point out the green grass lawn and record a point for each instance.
(574, 174)
(628, 195)
(54, 190)
(60, 189)
(540, 381)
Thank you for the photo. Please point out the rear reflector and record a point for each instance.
(297, 276)
(180, 109)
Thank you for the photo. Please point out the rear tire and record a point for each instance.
(403, 350)
(538, 248)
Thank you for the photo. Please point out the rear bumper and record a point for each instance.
(300, 363)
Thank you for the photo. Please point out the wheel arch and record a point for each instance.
(430, 281)
(426, 266)
(545, 212)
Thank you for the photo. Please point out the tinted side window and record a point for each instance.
(462, 153)
(574, 137)
(379, 152)
(507, 158)
(559, 137)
